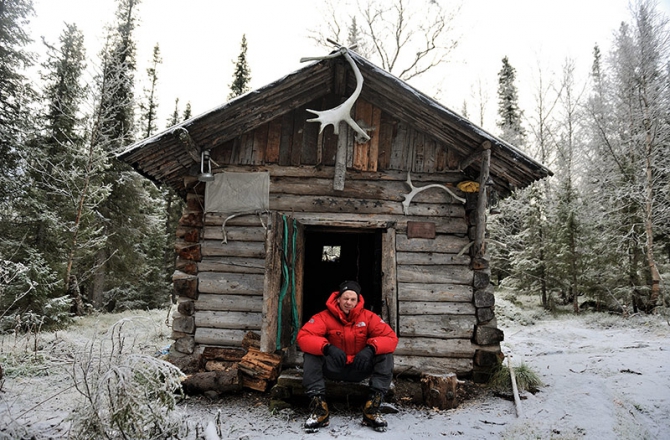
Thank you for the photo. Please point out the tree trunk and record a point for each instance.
(99, 279)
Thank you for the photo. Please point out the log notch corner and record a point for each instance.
(487, 335)
(185, 278)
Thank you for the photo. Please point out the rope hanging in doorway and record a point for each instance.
(288, 276)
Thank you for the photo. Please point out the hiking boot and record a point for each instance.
(372, 416)
(319, 416)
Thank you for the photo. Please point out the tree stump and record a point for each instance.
(439, 391)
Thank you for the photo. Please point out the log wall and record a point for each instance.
(442, 305)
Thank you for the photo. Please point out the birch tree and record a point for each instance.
(629, 113)
(405, 38)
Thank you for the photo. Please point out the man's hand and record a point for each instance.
(363, 360)
(338, 356)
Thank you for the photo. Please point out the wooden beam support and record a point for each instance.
(480, 232)
(486, 145)
(341, 158)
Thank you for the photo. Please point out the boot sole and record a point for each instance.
(376, 428)
(315, 429)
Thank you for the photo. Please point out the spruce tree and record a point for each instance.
(242, 74)
(15, 92)
(509, 114)
(133, 251)
(149, 105)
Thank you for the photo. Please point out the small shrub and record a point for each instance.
(124, 395)
(526, 379)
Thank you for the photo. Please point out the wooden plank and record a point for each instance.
(235, 233)
(435, 308)
(294, 203)
(228, 320)
(450, 176)
(274, 139)
(435, 274)
(435, 292)
(442, 244)
(389, 279)
(363, 112)
(260, 144)
(232, 264)
(418, 152)
(373, 153)
(272, 285)
(310, 136)
(286, 141)
(443, 225)
(387, 126)
(415, 365)
(299, 117)
(454, 348)
(247, 148)
(235, 303)
(230, 283)
(436, 326)
(399, 148)
(365, 189)
(432, 258)
(250, 249)
(218, 336)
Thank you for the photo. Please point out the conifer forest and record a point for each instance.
(81, 231)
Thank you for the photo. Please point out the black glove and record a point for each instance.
(363, 360)
(338, 357)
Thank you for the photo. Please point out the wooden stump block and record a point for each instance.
(440, 391)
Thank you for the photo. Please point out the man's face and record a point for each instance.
(347, 301)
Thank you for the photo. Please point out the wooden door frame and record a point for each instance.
(273, 271)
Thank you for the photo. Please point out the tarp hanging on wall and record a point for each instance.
(238, 193)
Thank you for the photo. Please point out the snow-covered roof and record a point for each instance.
(169, 156)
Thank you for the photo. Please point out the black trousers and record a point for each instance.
(318, 368)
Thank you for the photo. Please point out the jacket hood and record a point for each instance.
(334, 308)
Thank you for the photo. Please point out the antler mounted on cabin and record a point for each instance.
(343, 111)
(416, 190)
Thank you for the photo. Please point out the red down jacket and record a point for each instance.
(349, 333)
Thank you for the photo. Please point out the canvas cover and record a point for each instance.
(238, 193)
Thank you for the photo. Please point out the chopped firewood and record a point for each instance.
(261, 365)
(254, 384)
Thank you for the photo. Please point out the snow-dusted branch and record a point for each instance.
(343, 111)
(416, 190)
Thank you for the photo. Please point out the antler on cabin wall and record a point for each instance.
(343, 111)
(417, 190)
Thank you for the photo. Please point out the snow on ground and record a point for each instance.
(604, 377)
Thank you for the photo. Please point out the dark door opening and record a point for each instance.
(332, 256)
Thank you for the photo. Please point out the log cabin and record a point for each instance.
(282, 205)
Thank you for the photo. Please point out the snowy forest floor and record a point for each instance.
(604, 377)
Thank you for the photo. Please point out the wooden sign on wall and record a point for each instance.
(420, 230)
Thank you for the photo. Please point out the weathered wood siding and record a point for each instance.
(291, 141)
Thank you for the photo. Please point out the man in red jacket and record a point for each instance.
(348, 343)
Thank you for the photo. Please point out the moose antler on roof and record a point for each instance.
(343, 111)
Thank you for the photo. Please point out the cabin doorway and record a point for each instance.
(334, 255)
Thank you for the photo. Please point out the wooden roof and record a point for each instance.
(173, 154)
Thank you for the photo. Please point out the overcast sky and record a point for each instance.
(200, 40)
